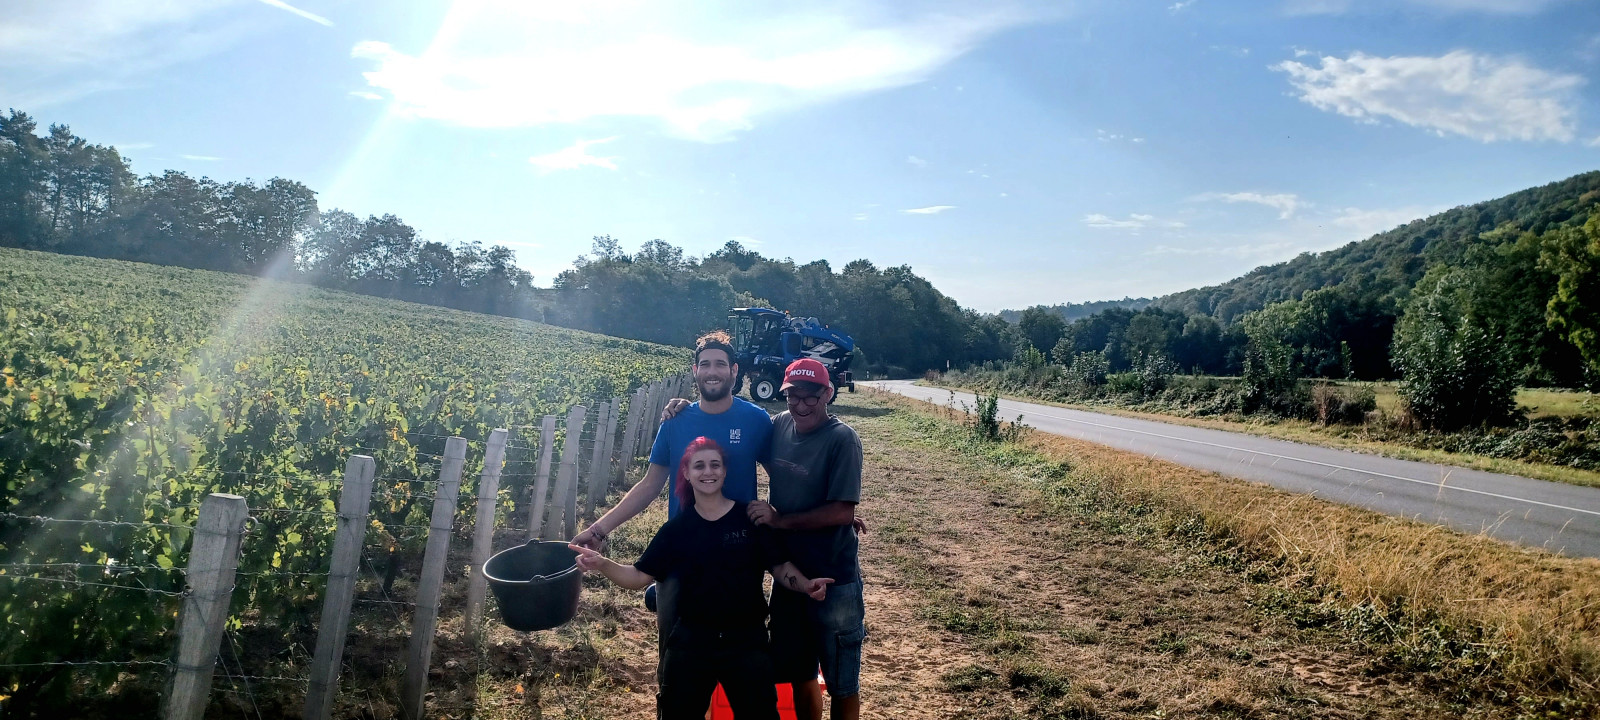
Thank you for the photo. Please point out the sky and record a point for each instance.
(1013, 153)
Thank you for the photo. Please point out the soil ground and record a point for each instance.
(983, 601)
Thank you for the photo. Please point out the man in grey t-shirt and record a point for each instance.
(816, 483)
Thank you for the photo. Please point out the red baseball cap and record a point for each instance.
(806, 370)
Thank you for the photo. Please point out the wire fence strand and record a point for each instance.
(97, 523)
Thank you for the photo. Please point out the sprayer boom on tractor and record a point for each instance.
(765, 341)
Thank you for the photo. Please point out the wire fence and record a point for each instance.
(267, 555)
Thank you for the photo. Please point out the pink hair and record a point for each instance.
(680, 485)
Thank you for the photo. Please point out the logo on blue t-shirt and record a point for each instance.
(733, 436)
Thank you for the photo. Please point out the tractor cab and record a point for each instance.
(765, 341)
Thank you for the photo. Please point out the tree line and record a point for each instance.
(1521, 270)
(62, 193)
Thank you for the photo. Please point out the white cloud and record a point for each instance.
(914, 160)
(1135, 221)
(313, 17)
(54, 52)
(746, 240)
(1285, 203)
(201, 158)
(930, 210)
(1594, 143)
(124, 147)
(705, 73)
(1181, 4)
(1461, 93)
(573, 157)
(366, 95)
(859, 216)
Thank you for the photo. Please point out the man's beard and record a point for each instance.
(714, 395)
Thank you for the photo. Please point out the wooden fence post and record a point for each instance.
(658, 392)
(599, 471)
(426, 618)
(608, 478)
(494, 458)
(566, 477)
(213, 560)
(350, 531)
(642, 441)
(541, 481)
(620, 474)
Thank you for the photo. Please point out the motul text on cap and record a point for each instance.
(806, 370)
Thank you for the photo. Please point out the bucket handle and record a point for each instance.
(542, 576)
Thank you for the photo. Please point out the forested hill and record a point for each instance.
(1074, 311)
(1389, 264)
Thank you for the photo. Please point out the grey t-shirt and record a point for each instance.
(809, 471)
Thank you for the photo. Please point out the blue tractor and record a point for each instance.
(765, 341)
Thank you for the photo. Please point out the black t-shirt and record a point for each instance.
(718, 564)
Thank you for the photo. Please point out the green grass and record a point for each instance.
(1539, 402)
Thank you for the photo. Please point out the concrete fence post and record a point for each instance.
(541, 481)
(419, 652)
(350, 531)
(213, 562)
(559, 519)
(599, 472)
(494, 458)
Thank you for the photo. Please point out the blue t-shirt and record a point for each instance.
(745, 433)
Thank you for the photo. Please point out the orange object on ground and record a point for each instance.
(721, 710)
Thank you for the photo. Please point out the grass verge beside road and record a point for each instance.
(1343, 437)
(1490, 629)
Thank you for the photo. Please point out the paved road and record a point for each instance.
(1563, 518)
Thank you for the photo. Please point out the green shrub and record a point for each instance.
(1154, 373)
(1342, 405)
(1088, 369)
(1454, 372)
(1127, 383)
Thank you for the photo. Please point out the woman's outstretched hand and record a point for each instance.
(589, 559)
(817, 589)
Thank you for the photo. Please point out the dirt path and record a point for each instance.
(982, 602)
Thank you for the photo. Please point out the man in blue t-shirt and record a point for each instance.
(742, 429)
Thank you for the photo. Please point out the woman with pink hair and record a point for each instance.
(718, 556)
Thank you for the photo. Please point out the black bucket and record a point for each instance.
(536, 584)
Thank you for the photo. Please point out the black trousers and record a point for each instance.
(697, 659)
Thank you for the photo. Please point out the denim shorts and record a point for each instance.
(806, 633)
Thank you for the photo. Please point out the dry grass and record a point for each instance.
(1528, 622)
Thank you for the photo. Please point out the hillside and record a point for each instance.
(1075, 311)
(1393, 261)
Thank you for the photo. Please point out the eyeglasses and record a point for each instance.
(808, 400)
